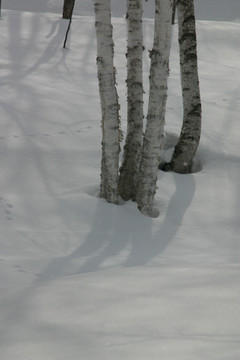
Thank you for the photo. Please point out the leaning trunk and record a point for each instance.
(68, 6)
(174, 11)
(191, 129)
(109, 102)
(156, 111)
(132, 150)
(70, 22)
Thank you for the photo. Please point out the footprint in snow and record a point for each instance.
(8, 211)
(19, 268)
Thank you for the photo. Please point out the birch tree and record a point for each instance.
(188, 142)
(133, 145)
(153, 137)
(109, 102)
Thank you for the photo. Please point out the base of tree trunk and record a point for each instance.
(150, 212)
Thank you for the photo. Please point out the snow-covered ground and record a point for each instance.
(227, 10)
(83, 279)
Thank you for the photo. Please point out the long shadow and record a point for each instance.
(117, 240)
(122, 237)
(112, 233)
(119, 235)
(136, 236)
(21, 45)
(144, 250)
(59, 28)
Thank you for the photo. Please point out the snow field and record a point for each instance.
(83, 279)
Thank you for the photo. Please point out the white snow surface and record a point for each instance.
(81, 279)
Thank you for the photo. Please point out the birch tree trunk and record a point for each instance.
(109, 102)
(188, 142)
(68, 6)
(156, 110)
(133, 145)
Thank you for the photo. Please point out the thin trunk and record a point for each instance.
(156, 110)
(187, 145)
(174, 11)
(69, 25)
(68, 6)
(109, 102)
(132, 150)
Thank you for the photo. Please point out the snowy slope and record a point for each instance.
(205, 9)
(82, 279)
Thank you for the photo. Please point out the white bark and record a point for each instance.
(132, 150)
(156, 110)
(109, 102)
(191, 129)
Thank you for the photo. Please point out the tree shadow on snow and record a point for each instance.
(129, 236)
(146, 249)
(122, 237)
(56, 34)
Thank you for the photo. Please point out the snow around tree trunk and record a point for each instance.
(81, 279)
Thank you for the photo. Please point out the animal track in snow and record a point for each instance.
(61, 132)
(19, 268)
(8, 211)
(7, 208)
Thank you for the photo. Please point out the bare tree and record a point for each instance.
(109, 102)
(68, 6)
(174, 11)
(153, 137)
(188, 142)
(133, 145)
(138, 174)
(70, 21)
